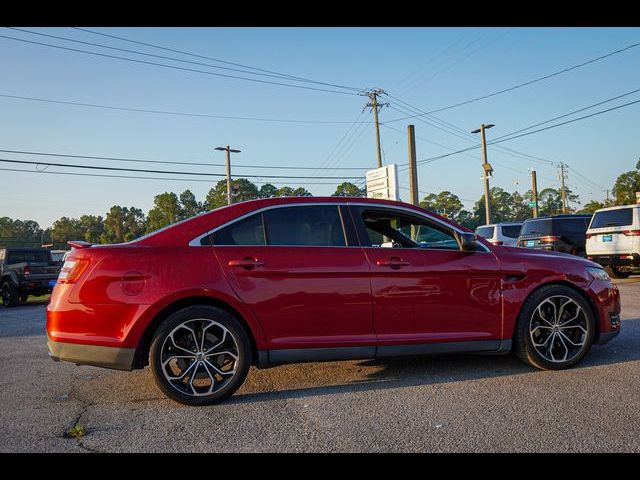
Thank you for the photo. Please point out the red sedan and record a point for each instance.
(287, 280)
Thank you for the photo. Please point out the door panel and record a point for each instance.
(442, 294)
(305, 297)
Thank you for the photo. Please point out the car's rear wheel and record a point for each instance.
(616, 272)
(555, 328)
(200, 355)
(9, 294)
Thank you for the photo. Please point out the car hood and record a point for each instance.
(515, 254)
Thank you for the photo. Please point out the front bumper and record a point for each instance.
(95, 355)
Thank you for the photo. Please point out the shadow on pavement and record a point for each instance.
(402, 372)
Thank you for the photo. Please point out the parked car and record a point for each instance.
(613, 239)
(558, 233)
(24, 272)
(287, 280)
(504, 233)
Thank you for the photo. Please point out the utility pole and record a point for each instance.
(413, 167)
(563, 174)
(375, 106)
(534, 190)
(487, 170)
(607, 196)
(229, 151)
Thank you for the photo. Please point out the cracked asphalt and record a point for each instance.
(457, 403)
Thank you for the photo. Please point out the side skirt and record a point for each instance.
(300, 355)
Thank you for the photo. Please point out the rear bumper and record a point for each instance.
(95, 355)
(619, 259)
(607, 337)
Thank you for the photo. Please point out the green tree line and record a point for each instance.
(122, 224)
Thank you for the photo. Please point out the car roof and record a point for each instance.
(188, 229)
(617, 207)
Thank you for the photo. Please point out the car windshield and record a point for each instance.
(613, 218)
(485, 232)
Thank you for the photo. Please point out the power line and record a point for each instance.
(176, 67)
(141, 178)
(208, 164)
(167, 112)
(282, 75)
(530, 82)
(166, 172)
(175, 59)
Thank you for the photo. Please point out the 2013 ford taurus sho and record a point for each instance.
(287, 280)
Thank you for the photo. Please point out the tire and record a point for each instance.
(549, 343)
(615, 272)
(189, 376)
(9, 294)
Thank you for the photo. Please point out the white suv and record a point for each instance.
(505, 233)
(613, 239)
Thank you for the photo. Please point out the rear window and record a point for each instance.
(35, 256)
(537, 227)
(511, 231)
(555, 226)
(485, 232)
(613, 218)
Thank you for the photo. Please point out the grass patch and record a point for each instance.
(40, 299)
(77, 431)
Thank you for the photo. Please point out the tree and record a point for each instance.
(267, 191)
(348, 189)
(20, 233)
(166, 210)
(550, 201)
(190, 207)
(591, 207)
(500, 203)
(65, 229)
(626, 186)
(241, 190)
(92, 227)
(302, 192)
(123, 224)
(444, 203)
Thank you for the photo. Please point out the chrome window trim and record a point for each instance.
(196, 241)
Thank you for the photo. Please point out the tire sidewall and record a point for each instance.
(13, 293)
(524, 344)
(206, 312)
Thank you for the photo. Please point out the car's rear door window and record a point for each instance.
(315, 226)
(537, 227)
(613, 218)
(570, 226)
(248, 231)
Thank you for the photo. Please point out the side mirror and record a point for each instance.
(467, 241)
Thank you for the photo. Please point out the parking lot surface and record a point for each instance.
(460, 403)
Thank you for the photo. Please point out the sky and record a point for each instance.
(426, 68)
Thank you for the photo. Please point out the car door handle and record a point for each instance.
(393, 263)
(247, 263)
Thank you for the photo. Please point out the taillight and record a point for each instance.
(27, 270)
(72, 269)
(549, 238)
(632, 233)
(589, 235)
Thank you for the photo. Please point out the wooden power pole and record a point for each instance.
(413, 167)
(229, 151)
(375, 106)
(534, 192)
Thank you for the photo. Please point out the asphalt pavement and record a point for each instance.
(456, 403)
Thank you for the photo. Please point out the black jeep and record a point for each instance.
(24, 272)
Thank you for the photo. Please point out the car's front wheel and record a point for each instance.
(200, 355)
(555, 328)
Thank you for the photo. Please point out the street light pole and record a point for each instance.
(487, 170)
(228, 150)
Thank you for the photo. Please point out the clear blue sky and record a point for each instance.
(426, 67)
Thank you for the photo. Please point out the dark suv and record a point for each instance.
(559, 233)
(24, 272)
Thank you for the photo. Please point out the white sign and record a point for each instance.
(382, 183)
